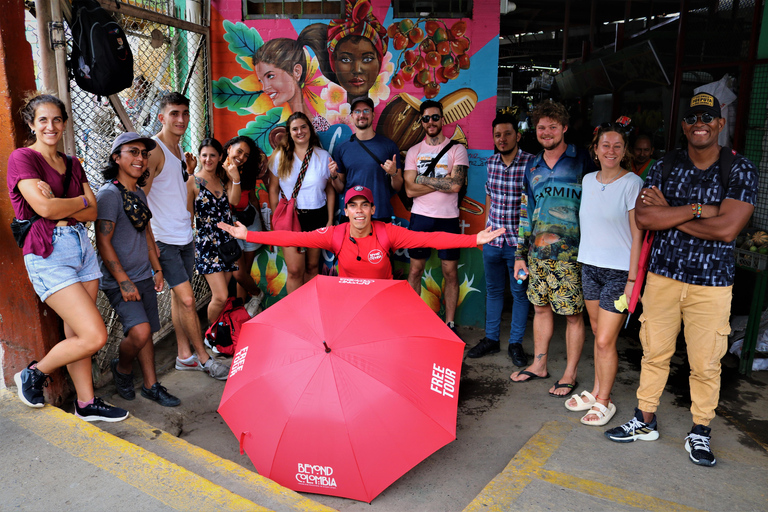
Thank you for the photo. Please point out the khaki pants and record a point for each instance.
(704, 310)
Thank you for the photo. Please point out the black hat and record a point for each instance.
(365, 99)
(703, 103)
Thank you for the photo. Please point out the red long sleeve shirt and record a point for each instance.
(373, 261)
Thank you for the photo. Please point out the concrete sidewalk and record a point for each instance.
(516, 449)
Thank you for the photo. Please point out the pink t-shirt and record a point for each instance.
(439, 205)
(24, 164)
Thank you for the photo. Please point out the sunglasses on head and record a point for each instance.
(706, 118)
(434, 117)
(184, 173)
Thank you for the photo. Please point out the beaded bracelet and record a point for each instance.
(696, 207)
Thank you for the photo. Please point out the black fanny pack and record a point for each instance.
(247, 216)
(135, 209)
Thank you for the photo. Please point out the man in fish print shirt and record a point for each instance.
(549, 233)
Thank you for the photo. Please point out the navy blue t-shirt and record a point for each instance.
(687, 258)
(360, 168)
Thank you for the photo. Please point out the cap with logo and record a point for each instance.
(358, 190)
(703, 103)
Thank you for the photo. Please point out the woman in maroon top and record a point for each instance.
(60, 260)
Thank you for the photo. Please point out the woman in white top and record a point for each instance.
(609, 251)
(315, 201)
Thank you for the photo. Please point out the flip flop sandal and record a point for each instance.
(581, 403)
(531, 376)
(561, 386)
(603, 413)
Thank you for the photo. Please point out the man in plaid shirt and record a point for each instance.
(503, 187)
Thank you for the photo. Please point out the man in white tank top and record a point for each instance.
(172, 227)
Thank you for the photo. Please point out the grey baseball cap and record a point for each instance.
(125, 138)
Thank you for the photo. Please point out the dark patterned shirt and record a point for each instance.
(504, 185)
(687, 258)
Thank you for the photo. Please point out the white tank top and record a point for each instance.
(171, 222)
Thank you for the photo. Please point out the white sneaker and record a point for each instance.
(253, 305)
(193, 364)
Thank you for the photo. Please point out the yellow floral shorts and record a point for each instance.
(557, 283)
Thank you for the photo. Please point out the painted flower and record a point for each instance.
(432, 300)
(340, 117)
(315, 80)
(275, 279)
(466, 288)
(428, 282)
(334, 96)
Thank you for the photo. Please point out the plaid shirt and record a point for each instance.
(504, 185)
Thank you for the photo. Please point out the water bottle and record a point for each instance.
(520, 276)
(266, 215)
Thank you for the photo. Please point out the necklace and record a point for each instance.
(603, 185)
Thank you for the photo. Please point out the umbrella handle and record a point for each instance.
(242, 439)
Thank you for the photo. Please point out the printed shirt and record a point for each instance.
(549, 208)
(687, 258)
(504, 185)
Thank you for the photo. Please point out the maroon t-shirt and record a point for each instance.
(25, 164)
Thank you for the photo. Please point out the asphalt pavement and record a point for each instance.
(517, 448)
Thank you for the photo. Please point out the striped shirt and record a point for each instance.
(504, 185)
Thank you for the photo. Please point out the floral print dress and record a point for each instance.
(209, 211)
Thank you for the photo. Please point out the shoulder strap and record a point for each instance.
(667, 162)
(377, 159)
(380, 229)
(431, 167)
(339, 233)
(727, 156)
(67, 174)
(302, 172)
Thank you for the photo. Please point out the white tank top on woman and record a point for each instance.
(171, 222)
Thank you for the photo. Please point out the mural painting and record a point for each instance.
(265, 70)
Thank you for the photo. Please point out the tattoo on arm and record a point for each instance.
(106, 227)
(127, 286)
(446, 183)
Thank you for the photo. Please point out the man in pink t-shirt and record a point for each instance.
(435, 192)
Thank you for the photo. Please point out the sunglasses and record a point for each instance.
(184, 173)
(705, 118)
(134, 152)
(434, 117)
(362, 112)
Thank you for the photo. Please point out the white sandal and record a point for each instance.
(581, 404)
(603, 413)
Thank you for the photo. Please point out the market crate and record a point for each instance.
(751, 259)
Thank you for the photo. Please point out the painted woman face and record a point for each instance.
(357, 66)
(279, 85)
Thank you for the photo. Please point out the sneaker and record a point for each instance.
(634, 429)
(123, 382)
(486, 346)
(191, 364)
(30, 384)
(159, 394)
(99, 410)
(697, 445)
(452, 327)
(216, 369)
(253, 305)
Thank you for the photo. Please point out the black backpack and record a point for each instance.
(101, 60)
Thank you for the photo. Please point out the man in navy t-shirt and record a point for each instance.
(367, 159)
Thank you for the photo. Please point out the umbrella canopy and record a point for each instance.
(343, 386)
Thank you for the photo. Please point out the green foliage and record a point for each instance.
(260, 128)
(243, 41)
(228, 95)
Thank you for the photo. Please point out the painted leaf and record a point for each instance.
(243, 42)
(259, 128)
(228, 95)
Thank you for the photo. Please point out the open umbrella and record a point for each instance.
(343, 386)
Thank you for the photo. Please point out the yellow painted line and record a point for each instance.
(253, 481)
(168, 483)
(528, 465)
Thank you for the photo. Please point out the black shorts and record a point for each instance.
(603, 284)
(133, 313)
(430, 225)
(311, 220)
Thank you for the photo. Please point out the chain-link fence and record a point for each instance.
(166, 58)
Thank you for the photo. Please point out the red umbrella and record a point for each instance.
(642, 270)
(343, 386)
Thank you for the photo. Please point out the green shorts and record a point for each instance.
(557, 283)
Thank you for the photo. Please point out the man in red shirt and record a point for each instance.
(363, 252)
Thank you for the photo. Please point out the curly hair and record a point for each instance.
(602, 130)
(33, 100)
(112, 169)
(253, 168)
(552, 110)
(288, 146)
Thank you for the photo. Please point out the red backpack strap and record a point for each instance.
(380, 229)
(340, 232)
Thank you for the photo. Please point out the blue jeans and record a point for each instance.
(499, 262)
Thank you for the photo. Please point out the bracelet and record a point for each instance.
(334, 176)
(696, 207)
(630, 280)
(235, 182)
(85, 202)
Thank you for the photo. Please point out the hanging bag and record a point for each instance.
(285, 217)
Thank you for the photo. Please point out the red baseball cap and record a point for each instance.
(358, 190)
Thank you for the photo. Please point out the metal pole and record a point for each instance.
(62, 77)
(47, 58)
(678, 81)
(566, 26)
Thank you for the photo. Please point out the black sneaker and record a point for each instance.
(515, 351)
(486, 346)
(634, 429)
(697, 445)
(30, 384)
(123, 382)
(99, 410)
(159, 394)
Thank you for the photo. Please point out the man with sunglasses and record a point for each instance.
(369, 160)
(435, 192)
(696, 215)
(172, 226)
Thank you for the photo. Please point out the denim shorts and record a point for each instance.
(132, 313)
(255, 226)
(177, 262)
(73, 260)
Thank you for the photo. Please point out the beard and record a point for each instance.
(508, 151)
(363, 124)
(551, 143)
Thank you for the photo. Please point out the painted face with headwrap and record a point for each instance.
(357, 45)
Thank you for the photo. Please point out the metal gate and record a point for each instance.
(170, 50)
